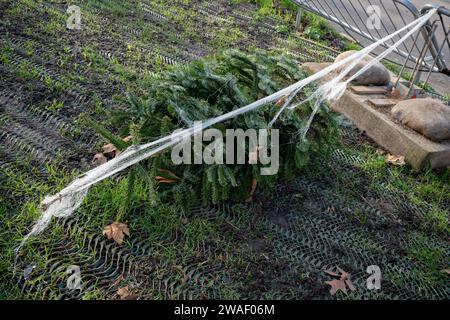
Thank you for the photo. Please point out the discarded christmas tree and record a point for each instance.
(209, 88)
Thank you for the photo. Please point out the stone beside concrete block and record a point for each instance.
(367, 90)
(382, 103)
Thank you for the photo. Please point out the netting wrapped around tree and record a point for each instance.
(215, 86)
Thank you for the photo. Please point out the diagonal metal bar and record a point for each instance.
(353, 17)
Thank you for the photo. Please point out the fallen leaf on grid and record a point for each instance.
(125, 294)
(337, 285)
(344, 274)
(342, 284)
(117, 232)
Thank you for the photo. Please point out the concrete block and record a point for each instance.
(418, 150)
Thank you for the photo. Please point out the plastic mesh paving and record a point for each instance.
(313, 228)
(27, 127)
(309, 225)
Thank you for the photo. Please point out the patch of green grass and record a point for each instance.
(431, 262)
(56, 105)
(313, 26)
(360, 215)
(17, 216)
(447, 98)
(350, 45)
(438, 219)
(94, 294)
(421, 188)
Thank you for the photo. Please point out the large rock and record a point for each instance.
(377, 75)
(429, 117)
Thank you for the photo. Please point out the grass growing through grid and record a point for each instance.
(56, 77)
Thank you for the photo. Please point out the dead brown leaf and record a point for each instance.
(252, 190)
(125, 294)
(395, 160)
(280, 103)
(128, 139)
(169, 173)
(341, 284)
(167, 176)
(447, 271)
(164, 180)
(344, 274)
(337, 285)
(99, 159)
(109, 150)
(117, 232)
